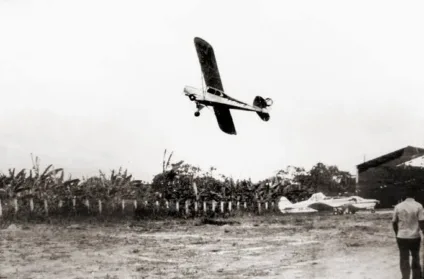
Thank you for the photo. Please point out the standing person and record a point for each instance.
(408, 219)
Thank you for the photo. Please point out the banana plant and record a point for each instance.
(13, 184)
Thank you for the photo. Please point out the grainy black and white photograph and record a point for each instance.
(221, 139)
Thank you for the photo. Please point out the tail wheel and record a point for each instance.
(192, 97)
(197, 114)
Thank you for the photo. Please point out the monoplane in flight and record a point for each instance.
(213, 95)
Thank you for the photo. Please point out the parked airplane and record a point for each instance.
(214, 95)
(319, 202)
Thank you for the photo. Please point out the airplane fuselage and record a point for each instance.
(207, 98)
(319, 203)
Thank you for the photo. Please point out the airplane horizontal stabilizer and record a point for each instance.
(262, 103)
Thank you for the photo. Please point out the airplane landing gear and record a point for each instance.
(199, 108)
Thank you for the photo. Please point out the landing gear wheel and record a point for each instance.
(196, 113)
(192, 97)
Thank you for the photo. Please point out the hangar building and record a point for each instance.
(382, 178)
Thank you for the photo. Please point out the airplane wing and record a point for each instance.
(225, 121)
(320, 206)
(323, 206)
(212, 78)
(208, 64)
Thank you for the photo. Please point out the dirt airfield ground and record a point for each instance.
(270, 246)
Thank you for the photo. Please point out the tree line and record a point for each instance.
(177, 181)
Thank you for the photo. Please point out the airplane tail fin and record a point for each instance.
(283, 203)
(262, 103)
(263, 115)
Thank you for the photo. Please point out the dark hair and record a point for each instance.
(410, 191)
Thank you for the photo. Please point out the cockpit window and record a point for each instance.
(214, 91)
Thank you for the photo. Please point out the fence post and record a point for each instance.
(31, 202)
(135, 204)
(222, 207)
(15, 202)
(123, 205)
(238, 205)
(87, 204)
(157, 205)
(167, 204)
(112, 203)
(204, 207)
(245, 205)
(74, 203)
(186, 207)
(100, 206)
(195, 206)
(213, 205)
(230, 206)
(259, 207)
(177, 206)
(266, 205)
(31, 205)
(1, 209)
(46, 207)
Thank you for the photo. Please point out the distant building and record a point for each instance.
(370, 181)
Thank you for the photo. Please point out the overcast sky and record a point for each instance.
(90, 85)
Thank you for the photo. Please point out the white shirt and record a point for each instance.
(407, 214)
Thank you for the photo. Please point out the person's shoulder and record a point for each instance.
(418, 204)
(400, 204)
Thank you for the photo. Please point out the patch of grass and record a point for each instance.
(299, 221)
(200, 242)
(325, 226)
(354, 244)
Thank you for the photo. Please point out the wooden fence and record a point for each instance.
(21, 206)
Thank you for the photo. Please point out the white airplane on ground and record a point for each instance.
(214, 95)
(319, 202)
